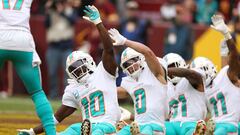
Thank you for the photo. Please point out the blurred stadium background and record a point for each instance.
(16, 108)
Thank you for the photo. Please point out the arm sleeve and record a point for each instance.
(124, 84)
(69, 100)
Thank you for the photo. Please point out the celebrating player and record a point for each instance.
(92, 88)
(204, 64)
(146, 83)
(17, 45)
(185, 98)
(224, 94)
(224, 60)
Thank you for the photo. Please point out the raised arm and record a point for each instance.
(234, 58)
(60, 115)
(150, 57)
(224, 53)
(192, 76)
(234, 62)
(109, 63)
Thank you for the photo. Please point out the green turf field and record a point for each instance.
(18, 113)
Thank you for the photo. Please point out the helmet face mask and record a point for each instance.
(132, 67)
(79, 66)
(174, 60)
(78, 69)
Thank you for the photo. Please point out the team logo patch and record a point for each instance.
(124, 54)
(76, 95)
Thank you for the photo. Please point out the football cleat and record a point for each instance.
(200, 128)
(134, 128)
(86, 127)
(210, 127)
(120, 124)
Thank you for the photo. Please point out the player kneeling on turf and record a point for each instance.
(186, 99)
(92, 88)
(146, 83)
(223, 94)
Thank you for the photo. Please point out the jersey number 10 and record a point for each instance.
(17, 5)
(94, 104)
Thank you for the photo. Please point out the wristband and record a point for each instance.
(224, 49)
(97, 21)
(227, 36)
(32, 131)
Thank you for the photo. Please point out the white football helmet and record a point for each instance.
(174, 60)
(132, 62)
(79, 66)
(205, 65)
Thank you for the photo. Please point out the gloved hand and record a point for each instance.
(92, 14)
(125, 114)
(26, 132)
(117, 37)
(219, 25)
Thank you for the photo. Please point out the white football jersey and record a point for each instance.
(14, 25)
(185, 102)
(15, 14)
(223, 99)
(97, 99)
(149, 97)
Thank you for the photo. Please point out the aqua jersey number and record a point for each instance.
(94, 104)
(140, 101)
(17, 6)
(214, 101)
(173, 105)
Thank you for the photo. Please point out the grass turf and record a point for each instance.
(18, 113)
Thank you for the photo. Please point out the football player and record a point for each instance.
(224, 61)
(186, 99)
(92, 88)
(224, 94)
(147, 85)
(17, 45)
(207, 66)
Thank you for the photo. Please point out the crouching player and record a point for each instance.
(186, 98)
(93, 88)
(224, 60)
(224, 94)
(146, 84)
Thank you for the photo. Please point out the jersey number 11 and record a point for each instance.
(17, 5)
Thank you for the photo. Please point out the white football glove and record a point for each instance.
(224, 49)
(219, 25)
(125, 114)
(26, 132)
(117, 37)
(92, 14)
